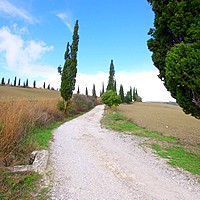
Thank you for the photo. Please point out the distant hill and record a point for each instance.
(10, 92)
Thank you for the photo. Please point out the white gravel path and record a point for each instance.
(92, 163)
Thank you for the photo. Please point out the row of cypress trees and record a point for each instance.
(25, 83)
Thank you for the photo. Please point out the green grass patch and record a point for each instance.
(18, 185)
(118, 122)
(179, 157)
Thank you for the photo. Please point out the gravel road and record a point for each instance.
(89, 162)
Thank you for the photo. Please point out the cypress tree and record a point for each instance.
(44, 85)
(131, 94)
(86, 91)
(68, 78)
(19, 82)
(34, 84)
(2, 81)
(15, 81)
(78, 91)
(26, 82)
(175, 44)
(102, 88)
(94, 91)
(48, 87)
(115, 86)
(111, 79)
(8, 81)
(121, 93)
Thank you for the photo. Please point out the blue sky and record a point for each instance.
(34, 34)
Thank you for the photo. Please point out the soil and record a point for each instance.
(88, 162)
(164, 118)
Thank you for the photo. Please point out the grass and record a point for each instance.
(179, 157)
(18, 185)
(165, 146)
(25, 185)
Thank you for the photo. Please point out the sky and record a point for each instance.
(34, 35)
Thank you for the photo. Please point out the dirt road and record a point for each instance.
(91, 163)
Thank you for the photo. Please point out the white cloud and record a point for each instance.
(66, 19)
(8, 9)
(22, 57)
(149, 86)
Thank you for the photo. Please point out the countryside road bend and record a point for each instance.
(92, 163)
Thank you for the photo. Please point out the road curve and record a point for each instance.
(89, 162)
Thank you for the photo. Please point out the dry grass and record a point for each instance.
(22, 109)
(168, 119)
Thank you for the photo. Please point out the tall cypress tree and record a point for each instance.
(111, 79)
(2, 81)
(102, 88)
(78, 91)
(8, 81)
(34, 84)
(26, 82)
(121, 93)
(15, 81)
(19, 82)
(68, 78)
(86, 91)
(131, 94)
(94, 91)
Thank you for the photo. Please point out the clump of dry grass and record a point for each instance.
(18, 117)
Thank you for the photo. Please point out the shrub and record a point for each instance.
(110, 98)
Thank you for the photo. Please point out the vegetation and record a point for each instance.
(121, 93)
(110, 98)
(166, 146)
(111, 80)
(175, 44)
(68, 74)
(94, 91)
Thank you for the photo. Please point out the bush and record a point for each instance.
(110, 98)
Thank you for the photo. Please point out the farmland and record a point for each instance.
(167, 119)
(7, 92)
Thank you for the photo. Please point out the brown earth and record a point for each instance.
(165, 118)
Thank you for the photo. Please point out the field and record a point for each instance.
(167, 119)
(7, 92)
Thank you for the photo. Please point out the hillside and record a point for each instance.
(27, 93)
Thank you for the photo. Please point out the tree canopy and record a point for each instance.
(175, 43)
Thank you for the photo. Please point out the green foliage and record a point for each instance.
(175, 44)
(121, 93)
(68, 78)
(127, 98)
(111, 80)
(183, 74)
(179, 157)
(110, 98)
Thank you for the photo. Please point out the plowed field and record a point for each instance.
(165, 118)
